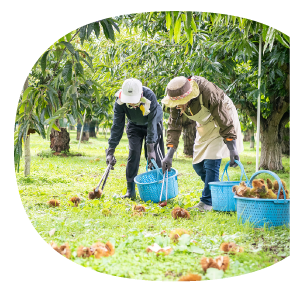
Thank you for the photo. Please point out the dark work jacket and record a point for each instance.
(135, 116)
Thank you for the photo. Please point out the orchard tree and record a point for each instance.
(224, 43)
(58, 88)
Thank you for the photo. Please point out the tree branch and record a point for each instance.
(285, 119)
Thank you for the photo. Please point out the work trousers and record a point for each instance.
(208, 170)
(136, 134)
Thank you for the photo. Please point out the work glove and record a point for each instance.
(167, 160)
(234, 155)
(110, 158)
(150, 154)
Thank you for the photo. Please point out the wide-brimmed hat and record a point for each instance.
(180, 90)
(131, 91)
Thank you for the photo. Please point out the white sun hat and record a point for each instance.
(131, 91)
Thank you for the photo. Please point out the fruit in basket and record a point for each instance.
(271, 194)
(276, 185)
(276, 188)
(269, 183)
(242, 190)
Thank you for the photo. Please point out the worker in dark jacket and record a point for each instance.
(218, 131)
(145, 120)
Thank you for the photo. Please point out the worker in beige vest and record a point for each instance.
(218, 131)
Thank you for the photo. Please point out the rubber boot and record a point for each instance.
(131, 193)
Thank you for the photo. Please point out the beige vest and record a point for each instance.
(208, 142)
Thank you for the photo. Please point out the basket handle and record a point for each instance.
(242, 171)
(155, 166)
(275, 176)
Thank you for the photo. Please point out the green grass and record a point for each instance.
(63, 177)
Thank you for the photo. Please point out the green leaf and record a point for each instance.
(68, 37)
(188, 19)
(90, 29)
(67, 72)
(114, 24)
(286, 37)
(58, 52)
(186, 49)
(184, 240)
(168, 20)
(212, 273)
(264, 32)
(71, 119)
(69, 46)
(150, 14)
(82, 33)
(193, 25)
(43, 62)
(97, 29)
(25, 94)
(177, 30)
(89, 64)
(108, 29)
(281, 40)
(77, 56)
(197, 250)
(79, 68)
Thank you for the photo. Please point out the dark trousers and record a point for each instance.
(208, 170)
(136, 134)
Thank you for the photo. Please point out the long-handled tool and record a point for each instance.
(104, 177)
(166, 187)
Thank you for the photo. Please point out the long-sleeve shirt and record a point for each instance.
(136, 116)
(212, 97)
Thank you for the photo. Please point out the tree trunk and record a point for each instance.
(59, 141)
(271, 148)
(86, 134)
(285, 141)
(189, 132)
(247, 136)
(27, 157)
(92, 128)
(252, 138)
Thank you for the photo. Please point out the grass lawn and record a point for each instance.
(64, 177)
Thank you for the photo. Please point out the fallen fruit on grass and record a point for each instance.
(95, 194)
(75, 200)
(84, 252)
(53, 202)
(102, 250)
(179, 212)
(106, 212)
(63, 249)
(220, 263)
(176, 234)
(137, 214)
(190, 277)
(231, 247)
(162, 204)
(139, 207)
(158, 250)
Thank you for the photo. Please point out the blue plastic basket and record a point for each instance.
(222, 191)
(260, 212)
(150, 184)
